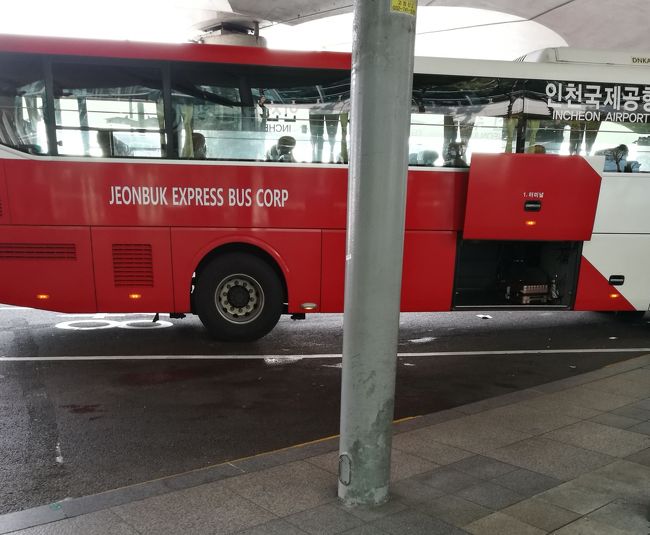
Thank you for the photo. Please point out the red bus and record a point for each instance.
(212, 180)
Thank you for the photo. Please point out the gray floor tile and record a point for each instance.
(412, 523)
(490, 495)
(629, 517)
(447, 479)
(551, 458)
(499, 401)
(274, 527)
(483, 467)
(472, 433)
(643, 428)
(601, 438)
(405, 465)
(526, 483)
(593, 399)
(541, 514)
(586, 526)
(642, 457)
(454, 510)
(622, 479)
(99, 523)
(327, 461)
(644, 404)
(639, 375)
(523, 418)
(615, 420)
(619, 385)
(286, 489)
(370, 513)
(209, 509)
(550, 403)
(422, 443)
(576, 498)
(500, 524)
(413, 492)
(325, 519)
(634, 411)
(365, 530)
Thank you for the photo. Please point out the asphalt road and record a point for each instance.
(75, 427)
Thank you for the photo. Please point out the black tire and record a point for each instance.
(239, 297)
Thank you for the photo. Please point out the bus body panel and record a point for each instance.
(436, 199)
(531, 197)
(427, 277)
(297, 253)
(47, 267)
(268, 195)
(595, 293)
(626, 255)
(133, 269)
(623, 204)
(5, 214)
(179, 194)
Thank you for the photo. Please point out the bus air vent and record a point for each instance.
(38, 251)
(132, 264)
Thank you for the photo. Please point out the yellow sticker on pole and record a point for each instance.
(404, 6)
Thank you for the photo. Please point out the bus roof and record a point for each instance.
(566, 54)
(557, 63)
(172, 52)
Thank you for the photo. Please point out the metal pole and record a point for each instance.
(382, 70)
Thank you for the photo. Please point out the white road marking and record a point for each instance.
(14, 308)
(290, 358)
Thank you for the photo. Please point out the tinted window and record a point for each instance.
(22, 96)
(108, 110)
(260, 113)
(455, 116)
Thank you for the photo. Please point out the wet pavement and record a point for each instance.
(71, 428)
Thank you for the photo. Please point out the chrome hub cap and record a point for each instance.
(239, 299)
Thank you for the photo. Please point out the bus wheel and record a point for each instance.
(238, 297)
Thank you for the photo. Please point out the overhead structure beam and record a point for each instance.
(382, 72)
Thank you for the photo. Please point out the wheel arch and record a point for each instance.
(252, 246)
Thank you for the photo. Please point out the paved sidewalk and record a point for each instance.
(570, 457)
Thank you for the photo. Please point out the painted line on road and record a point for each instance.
(294, 358)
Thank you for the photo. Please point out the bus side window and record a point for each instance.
(22, 95)
(456, 116)
(108, 110)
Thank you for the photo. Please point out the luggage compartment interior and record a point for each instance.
(516, 274)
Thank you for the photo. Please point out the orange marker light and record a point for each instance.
(614, 296)
(531, 223)
(135, 296)
(42, 297)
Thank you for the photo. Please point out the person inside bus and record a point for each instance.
(198, 145)
(536, 149)
(455, 155)
(282, 151)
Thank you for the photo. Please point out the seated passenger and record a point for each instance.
(427, 158)
(198, 144)
(455, 155)
(536, 149)
(282, 151)
(615, 158)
